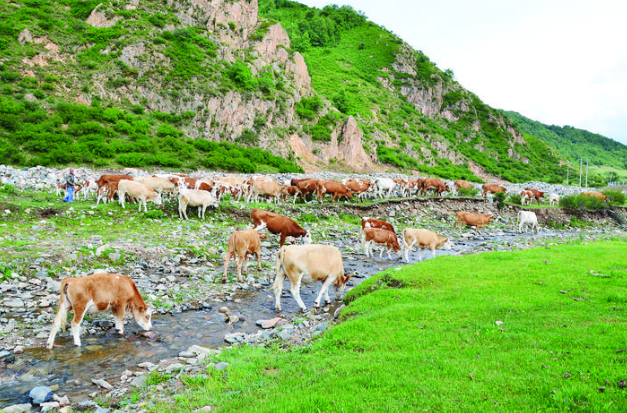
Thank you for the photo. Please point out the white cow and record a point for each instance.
(194, 197)
(138, 191)
(554, 199)
(527, 218)
(384, 184)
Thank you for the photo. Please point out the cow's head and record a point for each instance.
(307, 238)
(339, 284)
(157, 200)
(143, 317)
(448, 245)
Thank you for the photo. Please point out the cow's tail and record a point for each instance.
(64, 297)
(279, 267)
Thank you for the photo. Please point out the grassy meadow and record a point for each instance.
(534, 330)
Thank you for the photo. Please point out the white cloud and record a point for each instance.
(559, 62)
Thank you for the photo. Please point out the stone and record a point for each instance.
(221, 365)
(265, 324)
(14, 303)
(203, 409)
(176, 367)
(18, 408)
(138, 381)
(102, 383)
(40, 394)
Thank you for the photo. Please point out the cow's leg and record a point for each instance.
(241, 259)
(324, 290)
(381, 253)
(283, 236)
(59, 321)
(433, 251)
(387, 248)
(295, 290)
(79, 313)
(227, 258)
(422, 249)
(408, 250)
(258, 254)
(278, 287)
(118, 317)
(121, 196)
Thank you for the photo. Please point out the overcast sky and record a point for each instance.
(560, 62)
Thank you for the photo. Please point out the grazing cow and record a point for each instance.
(357, 186)
(295, 181)
(266, 188)
(378, 236)
(242, 243)
(367, 222)
(96, 293)
(473, 220)
(597, 195)
(403, 186)
(278, 224)
(461, 184)
(160, 185)
(306, 187)
(424, 239)
(332, 187)
(305, 264)
(383, 184)
(189, 183)
(536, 194)
(138, 191)
(492, 188)
(554, 199)
(291, 190)
(436, 184)
(526, 197)
(527, 218)
(195, 198)
(222, 187)
(105, 179)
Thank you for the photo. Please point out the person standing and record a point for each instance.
(70, 180)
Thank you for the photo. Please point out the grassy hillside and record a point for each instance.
(152, 84)
(607, 157)
(368, 72)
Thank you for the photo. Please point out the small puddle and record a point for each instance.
(108, 356)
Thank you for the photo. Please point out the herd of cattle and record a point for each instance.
(301, 264)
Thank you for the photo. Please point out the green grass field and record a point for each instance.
(534, 330)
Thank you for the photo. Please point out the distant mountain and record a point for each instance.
(575, 143)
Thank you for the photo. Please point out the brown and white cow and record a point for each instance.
(138, 191)
(278, 224)
(290, 190)
(95, 293)
(357, 186)
(422, 239)
(332, 187)
(492, 188)
(435, 184)
(305, 264)
(105, 179)
(242, 243)
(383, 237)
(367, 222)
(536, 194)
(526, 197)
(473, 220)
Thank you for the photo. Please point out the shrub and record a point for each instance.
(137, 109)
(308, 107)
(614, 197)
(580, 201)
(132, 160)
(515, 199)
(154, 214)
(470, 192)
(248, 137)
(242, 76)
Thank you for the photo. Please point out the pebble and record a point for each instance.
(40, 394)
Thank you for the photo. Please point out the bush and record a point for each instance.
(470, 192)
(154, 214)
(580, 201)
(614, 197)
(242, 76)
(515, 199)
(132, 160)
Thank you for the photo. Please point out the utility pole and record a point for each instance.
(580, 170)
(586, 172)
(567, 172)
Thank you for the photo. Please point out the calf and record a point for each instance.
(424, 239)
(377, 236)
(89, 187)
(357, 186)
(526, 197)
(332, 187)
(278, 224)
(305, 264)
(242, 243)
(492, 188)
(306, 187)
(96, 293)
(527, 218)
(367, 222)
(384, 184)
(536, 194)
(105, 179)
(138, 191)
(473, 220)
(196, 198)
(291, 190)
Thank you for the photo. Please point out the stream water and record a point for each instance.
(107, 356)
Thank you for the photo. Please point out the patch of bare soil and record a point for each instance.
(47, 212)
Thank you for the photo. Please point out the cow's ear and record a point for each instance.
(346, 278)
